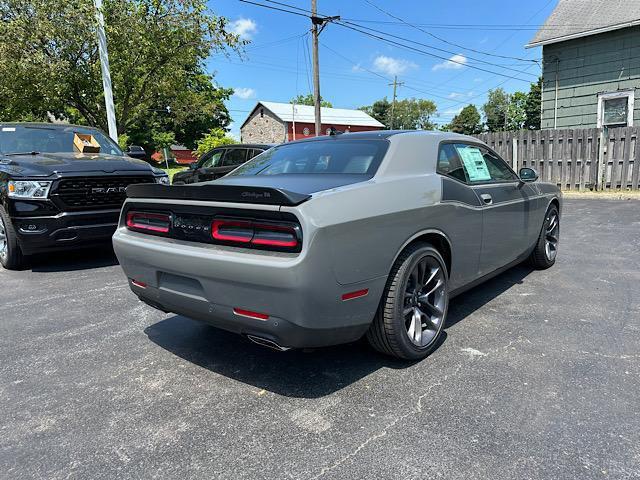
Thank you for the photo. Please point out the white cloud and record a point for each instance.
(244, 27)
(460, 96)
(357, 68)
(454, 63)
(392, 66)
(452, 112)
(244, 93)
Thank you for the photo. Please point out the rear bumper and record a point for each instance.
(300, 295)
(65, 230)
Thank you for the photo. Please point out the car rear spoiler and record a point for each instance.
(218, 193)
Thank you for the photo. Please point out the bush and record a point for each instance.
(215, 138)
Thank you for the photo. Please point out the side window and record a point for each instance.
(449, 163)
(211, 159)
(235, 156)
(254, 153)
(483, 166)
(498, 168)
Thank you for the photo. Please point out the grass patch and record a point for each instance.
(171, 171)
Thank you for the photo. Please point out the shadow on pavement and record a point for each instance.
(98, 256)
(301, 374)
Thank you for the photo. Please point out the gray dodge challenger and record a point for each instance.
(322, 241)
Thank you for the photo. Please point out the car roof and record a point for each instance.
(247, 145)
(387, 134)
(59, 126)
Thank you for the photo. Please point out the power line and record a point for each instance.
(440, 38)
(358, 28)
(409, 47)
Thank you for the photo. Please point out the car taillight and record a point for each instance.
(261, 234)
(148, 222)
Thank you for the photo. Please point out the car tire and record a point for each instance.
(11, 256)
(546, 249)
(412, 296)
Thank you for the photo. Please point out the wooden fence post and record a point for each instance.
(514, 152)
(601, 184)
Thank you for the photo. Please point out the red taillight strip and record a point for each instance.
(275, 243)
(256, 229)
(132, 223)
(215, 231)
(356, 294)
(138, 283)
(248, 313)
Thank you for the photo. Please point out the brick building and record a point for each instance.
(271, 122)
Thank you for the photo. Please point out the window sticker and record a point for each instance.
(474, 163)
(8, 129)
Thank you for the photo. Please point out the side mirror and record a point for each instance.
(528, 175)
(136, 151)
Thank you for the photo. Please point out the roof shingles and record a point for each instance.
(575, 18)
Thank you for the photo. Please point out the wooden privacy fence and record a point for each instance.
(578, 159)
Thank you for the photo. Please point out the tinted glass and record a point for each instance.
(449, 163)
(253, 153)
(211, 159)
(335, 156)
(234, 156)
(43, 139)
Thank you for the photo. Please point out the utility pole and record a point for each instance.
(106, 74)
(317, 25)
(395, 84)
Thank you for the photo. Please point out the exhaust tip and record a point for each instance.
(265, 342)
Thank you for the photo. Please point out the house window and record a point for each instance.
(615, 109)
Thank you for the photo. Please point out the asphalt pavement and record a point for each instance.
(538, 377)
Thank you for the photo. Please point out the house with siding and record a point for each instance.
(591, 64)
(273, 122)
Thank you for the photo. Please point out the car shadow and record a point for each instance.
(309, 373)
(97, 256)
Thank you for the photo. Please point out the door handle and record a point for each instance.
(486, 198)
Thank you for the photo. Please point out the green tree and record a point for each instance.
(308, 100)
(467, 121)
(379, 110)
(533, 106)
(410, 114)
(49, 65)
(495, 110)
(214, 138)
(414, 114)
(516, 111)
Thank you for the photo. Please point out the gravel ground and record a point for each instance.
(538, 377)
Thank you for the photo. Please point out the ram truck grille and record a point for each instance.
(89, 193)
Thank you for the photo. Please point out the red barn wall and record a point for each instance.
(300, 129)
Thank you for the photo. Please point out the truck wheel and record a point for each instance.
(414, 305)
(11, 256)
(546, 250)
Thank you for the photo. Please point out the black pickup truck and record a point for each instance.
(53, 196)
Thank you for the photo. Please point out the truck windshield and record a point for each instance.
(334, 156)
(54, 139)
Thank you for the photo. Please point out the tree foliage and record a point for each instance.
(308, 100)
(49, 65)
(410, 113)
(495, 110)
(513, 112)
(533, 106)
(467, 121)
(216, 137)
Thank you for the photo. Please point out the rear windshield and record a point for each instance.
(54, 139)
(349, 157)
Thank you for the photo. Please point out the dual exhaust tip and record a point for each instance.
(265, 342)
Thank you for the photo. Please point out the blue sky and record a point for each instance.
(355, 69)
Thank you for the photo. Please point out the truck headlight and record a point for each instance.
(163, 180)
(28, 189)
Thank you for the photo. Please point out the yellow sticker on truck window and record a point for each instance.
(474, 163)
